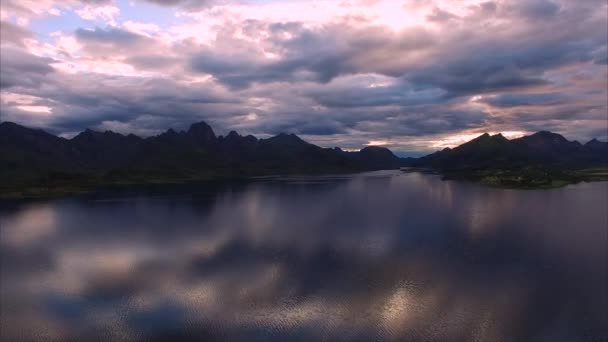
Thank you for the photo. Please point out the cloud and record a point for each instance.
(343, 74)
(113, 38)
(440, 15)
(538, 9)
(13, 34)
(188, 5)
(106, 13)
(533, 99)
(21, 69)
(292, 52)
(374, 91)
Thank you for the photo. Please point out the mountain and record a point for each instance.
(542, 159)
(376, 157)
(34, 158)
(541, 148)
(96, 150)
(483, 151)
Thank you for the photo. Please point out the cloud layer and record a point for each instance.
(416, 76)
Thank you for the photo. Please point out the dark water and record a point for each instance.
(380, 256)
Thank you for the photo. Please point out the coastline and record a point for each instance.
(489, 178)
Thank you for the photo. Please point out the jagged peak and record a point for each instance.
(499, 136)
(87, 133)
(233, 134)
(199, 125)
(546, 134)
(7, 123)
(10, 124)
(483, 136)
(287, 136)
(596, 141)
(202, 132)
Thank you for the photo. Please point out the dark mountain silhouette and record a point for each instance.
(32, 158)
(543, 159)
(496, 151)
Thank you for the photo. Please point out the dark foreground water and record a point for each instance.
(380, 256)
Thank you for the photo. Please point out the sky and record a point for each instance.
(412, 75)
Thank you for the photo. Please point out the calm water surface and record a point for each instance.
(382, 256)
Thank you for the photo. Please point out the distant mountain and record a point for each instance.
(31, 158)
(543, 159)
(495, 151)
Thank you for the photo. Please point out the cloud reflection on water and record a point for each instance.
(382, 256)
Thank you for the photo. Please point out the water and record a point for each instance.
(380, 256)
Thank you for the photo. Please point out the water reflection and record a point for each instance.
(381, 256)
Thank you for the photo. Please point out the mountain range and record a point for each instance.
(543, 159)
(34, 159)
(540, 148)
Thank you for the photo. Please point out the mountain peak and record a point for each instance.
(482, 137)
(499, 137)
(544, 137)
(233, 134)
(287, 137)
(93, 133)
(87, 134)
(547, 134)
(10, 125)
(595, 144)
(202, 132)
(595, 141)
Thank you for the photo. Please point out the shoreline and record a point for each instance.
(488, 179)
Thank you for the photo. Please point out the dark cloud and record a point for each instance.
(440, 15)
(538, 9)
(141, 51)
(536, 99)
(111, 38)
(370, 92)
(309, 54)
(493, 66)
(152, 62)
(21, 69)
